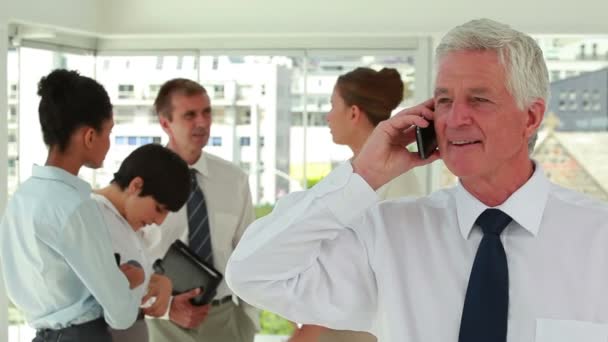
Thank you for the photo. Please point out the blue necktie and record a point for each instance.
(486, 305)
(199, 235)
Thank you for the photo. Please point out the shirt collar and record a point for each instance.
(61, 175)
(525, 206)
(201, 165)
(108, 204)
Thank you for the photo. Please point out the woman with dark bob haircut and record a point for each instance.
(151, 182)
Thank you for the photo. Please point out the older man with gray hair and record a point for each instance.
(505, 255)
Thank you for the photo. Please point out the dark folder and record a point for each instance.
(188, 271)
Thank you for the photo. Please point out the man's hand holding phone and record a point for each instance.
(384, 155)
(426, 140)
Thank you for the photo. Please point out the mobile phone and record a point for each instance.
(426, 140)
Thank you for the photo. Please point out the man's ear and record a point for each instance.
(164, 123)
(135, 186)
(535, 115)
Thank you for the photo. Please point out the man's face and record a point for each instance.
(189, 126)
(480, 130)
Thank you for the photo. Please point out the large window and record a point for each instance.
(572, 144)
(13, 120)
(268, 114)
(132, 81)
(33, 65)
(15, 319)
(251, 96)
(313, 90)
(284, 98)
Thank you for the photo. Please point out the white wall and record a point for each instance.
(345, 16)
(280, 17)
(80, 16)
(311, 18)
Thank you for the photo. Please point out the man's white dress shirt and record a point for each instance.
(228, 201)
(336, 256)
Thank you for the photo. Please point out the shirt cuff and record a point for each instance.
(165, 316)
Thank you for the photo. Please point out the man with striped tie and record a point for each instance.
(210, 223)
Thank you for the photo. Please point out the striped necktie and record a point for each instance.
(199, 235)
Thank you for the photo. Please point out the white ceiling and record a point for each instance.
(81, 16)
(116, 18)
(347, 16)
